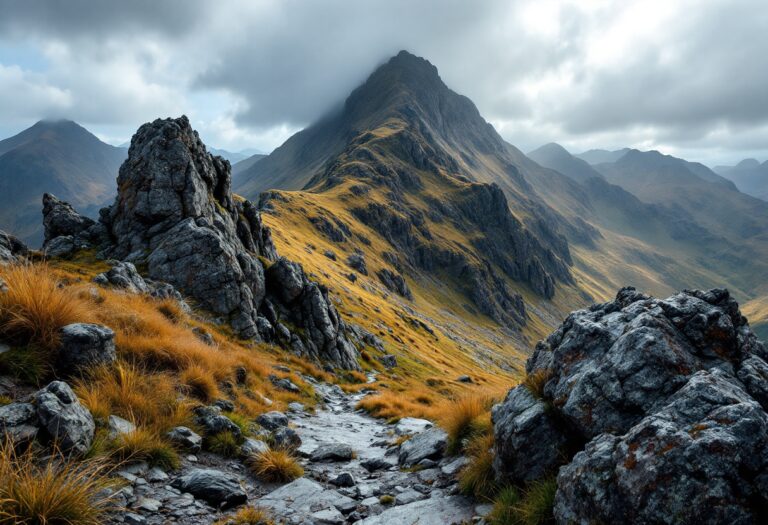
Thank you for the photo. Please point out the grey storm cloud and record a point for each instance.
(583, 73)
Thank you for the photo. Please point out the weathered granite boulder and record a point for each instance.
(703, 458)
(653, 411)
(84, 345)
(66, 422)
(212, 422)
(217, 488)
(118, 426)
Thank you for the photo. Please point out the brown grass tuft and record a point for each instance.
(144, 445)
(393, 405)
(56, 491)
(151, 400)
(199, 383)
(34, 308)
(464, 418)
(477, 478)
(535, 382)
(247, 516)
(275, 466)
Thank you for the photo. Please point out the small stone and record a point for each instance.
(156, 474)
(374, 464)
(119, 426)
(344, 479)
(131, 518)
(252, 447)
(296, 407)
(215, 487)
(332, 452)
(186, 438)
(286, 438)
(389, 360)
(148, 504)
(272, 420)
(464, 379)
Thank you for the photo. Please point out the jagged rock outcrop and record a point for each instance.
(53, 415)
(66, 230)
(175, 214)
(661, 401)
(394, 283)
(11, 248)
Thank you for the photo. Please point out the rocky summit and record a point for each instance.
(175, 213)
(647, 411)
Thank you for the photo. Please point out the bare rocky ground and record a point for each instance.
(354, 473)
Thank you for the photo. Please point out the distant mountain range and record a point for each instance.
(59, 157)
(408, 176)
(749, 175)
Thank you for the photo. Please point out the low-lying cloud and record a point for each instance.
(685, 76)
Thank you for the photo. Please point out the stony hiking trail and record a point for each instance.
(350, 462)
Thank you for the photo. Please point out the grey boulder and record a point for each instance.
(19, 422)
(272, 420)
(213, 486)
(185, 438)
(65, 420)
(83, 345)
(429, 444)
(332, 452)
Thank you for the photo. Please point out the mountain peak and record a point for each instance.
(748, 163)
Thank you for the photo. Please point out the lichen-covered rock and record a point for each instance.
(661, 401)
(429, 444)
(394, 282)
(703, 458)
(530, 442)
(83, 345)
(123, 275)
(67, 423)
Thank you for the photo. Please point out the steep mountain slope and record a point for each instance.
(246, 163)
(749, 175)
(556, 157)
(406, 176)
(59, 157)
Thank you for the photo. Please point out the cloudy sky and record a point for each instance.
(687, 77)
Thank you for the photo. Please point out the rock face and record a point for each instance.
(661, 401)
(175, 213)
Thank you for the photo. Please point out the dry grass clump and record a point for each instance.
(247, 516)
(275, 466)
(224, 444)
(150, 400)
(534, 507)
(464, 418)
(56, 491)
(35, 307)
(394, 405)
(478, 478)
(145, 445)
(535, 382)
(199, 383)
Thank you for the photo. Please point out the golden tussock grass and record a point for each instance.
(394, 405)
(35, 307)
(275, 466)
(247, 516)
(477, 478)
(464, 418)
(145, 445)
(199, 383)
(55, 491)
(148, 399)
(535, 381)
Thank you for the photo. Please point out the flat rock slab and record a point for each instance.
(408, 426)
(433, 511)
(304, 497)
